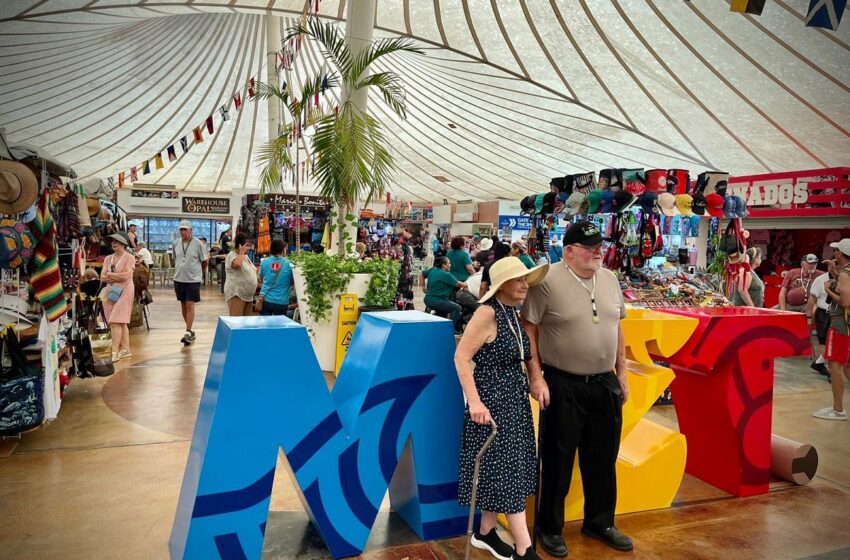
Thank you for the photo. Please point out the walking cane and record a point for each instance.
(540, 424)
(477, 464)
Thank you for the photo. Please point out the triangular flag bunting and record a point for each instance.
(225, 114)
(237, 101)
(111, 182)
(184, 143)
(754, 7)
(251, 88)
(158, 160)
(134, 174)
(172, 155)
(210, 124)
(147, 166)
(825, 14)
(198, 135)
(121, 180)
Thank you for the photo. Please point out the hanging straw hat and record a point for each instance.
(18, 187)
(93, 206)
(509, 268)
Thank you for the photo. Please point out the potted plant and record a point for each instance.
(352, 162)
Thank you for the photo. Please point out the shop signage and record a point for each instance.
(520, 223)
(206, 205)
(817, 192)
(144, 193)
(377, 431)
(308, 203)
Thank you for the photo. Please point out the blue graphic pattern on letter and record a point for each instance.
(392, 421)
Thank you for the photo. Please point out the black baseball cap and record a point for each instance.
(698, 206)
(583, 233)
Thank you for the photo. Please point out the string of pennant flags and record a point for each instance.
(824, 14)
(284, 60)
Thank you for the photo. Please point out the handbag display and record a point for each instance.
(100, 339)
(258, 305)
(21, 390)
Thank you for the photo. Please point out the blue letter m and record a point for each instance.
(393, 420)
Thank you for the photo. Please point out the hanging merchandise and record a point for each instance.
(21, 389)
(678, 181)
(44, 269)
(634, 181)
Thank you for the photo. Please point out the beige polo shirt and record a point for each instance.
(569, 339)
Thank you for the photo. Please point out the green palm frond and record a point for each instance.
(273, 157)
(375, 51)
(331, 41)
(263, 90)
(391, 88)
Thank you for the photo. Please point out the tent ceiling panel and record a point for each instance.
(509, 94)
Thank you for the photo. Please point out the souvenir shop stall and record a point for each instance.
(42, 250)
(661, 230)
(300, 223)
(794, 214)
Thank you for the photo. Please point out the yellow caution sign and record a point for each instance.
(347, 322)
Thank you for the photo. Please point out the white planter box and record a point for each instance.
(324, 334)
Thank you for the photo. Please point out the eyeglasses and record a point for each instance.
(594, 249)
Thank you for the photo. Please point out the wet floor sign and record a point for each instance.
(348, 312)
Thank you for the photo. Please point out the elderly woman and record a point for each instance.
(240, 284)
(498, 388)
(118, 294)
(520, 251)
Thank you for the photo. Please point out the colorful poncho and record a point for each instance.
(44, 268)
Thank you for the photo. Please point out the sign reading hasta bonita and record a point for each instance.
(392, 421)
(205, 205)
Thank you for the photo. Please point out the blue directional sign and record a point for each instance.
(522, 223)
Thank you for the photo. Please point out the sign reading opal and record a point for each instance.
(205, 205)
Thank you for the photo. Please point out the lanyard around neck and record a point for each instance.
(515, 332)
(591, 291)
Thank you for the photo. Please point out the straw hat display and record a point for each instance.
(18, 187)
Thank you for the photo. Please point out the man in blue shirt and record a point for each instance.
(556, 252)
(276, 277)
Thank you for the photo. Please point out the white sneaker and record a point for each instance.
(830, 413)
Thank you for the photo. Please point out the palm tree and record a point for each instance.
(353, 159)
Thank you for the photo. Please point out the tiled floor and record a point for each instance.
(102, 481)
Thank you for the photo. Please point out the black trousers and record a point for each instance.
(586, 417)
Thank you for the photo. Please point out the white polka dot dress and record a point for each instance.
(508, 472)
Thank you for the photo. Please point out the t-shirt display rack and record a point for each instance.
(264, 222)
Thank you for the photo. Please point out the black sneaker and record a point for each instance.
(820, 368)
(530, 554)
(492, 543)
(193, 335)
(188, 338)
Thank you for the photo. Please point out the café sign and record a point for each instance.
(206, 205)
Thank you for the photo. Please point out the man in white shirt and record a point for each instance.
(817, 311)
(144, 254)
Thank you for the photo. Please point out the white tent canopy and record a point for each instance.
(509, 94)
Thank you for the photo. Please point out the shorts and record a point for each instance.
(188, 291)
(837, 347)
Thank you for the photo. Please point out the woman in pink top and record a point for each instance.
(118, 273)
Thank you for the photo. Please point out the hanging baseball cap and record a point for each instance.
(730, 207)
(667, 204)
(576, 203)
(741, 207)
(606, 204)
(648, 200)
(714, 205)
(583, 233)
(594, 198)
(623, 200)
(684, 203)
(843, 246)
(698, 204)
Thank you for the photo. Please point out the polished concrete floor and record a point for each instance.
(103, 480)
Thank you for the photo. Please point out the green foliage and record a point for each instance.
(384, 283)
(326, 277)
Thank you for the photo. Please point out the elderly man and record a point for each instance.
(189, 254)
(797, 285)
(578, 374)
(837, 351)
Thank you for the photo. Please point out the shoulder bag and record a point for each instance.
(258, 305)
(114, 293)
(100, 339)
(21, 390)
